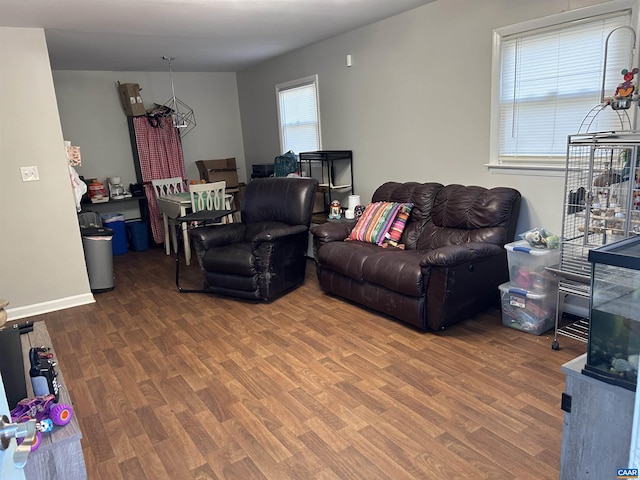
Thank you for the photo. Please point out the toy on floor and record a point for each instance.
(45, 411)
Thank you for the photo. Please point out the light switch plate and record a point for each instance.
(29, 174)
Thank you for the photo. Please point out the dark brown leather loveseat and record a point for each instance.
(452, 263)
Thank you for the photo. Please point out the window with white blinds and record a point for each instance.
(298, 115)
(549, 81)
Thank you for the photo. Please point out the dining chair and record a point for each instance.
(211, 196)
(161, 188)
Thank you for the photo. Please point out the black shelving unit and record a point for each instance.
(332, 168)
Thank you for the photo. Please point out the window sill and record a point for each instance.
(527, 169)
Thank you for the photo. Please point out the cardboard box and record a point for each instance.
(131, 99)
(219, 170)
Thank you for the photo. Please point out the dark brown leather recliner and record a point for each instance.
(263, 256)
(453, 262)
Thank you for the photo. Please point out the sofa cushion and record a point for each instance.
(463, 214)
(421, 195)
(375, 222)
(346, 258)
(398, 270)
(392, 268)
(394, 234)
(236, 258)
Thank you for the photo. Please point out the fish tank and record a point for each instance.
(613, 347)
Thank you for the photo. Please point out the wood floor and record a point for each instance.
(191, 386)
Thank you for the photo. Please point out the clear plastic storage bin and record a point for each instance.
(525, 310)
(527, 266)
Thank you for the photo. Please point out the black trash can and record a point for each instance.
(98, 251)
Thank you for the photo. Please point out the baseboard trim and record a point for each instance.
(51, 306)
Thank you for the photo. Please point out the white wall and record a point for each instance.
(42, 264)
(415, 105)
(92, 117)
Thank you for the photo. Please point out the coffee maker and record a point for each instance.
(116, 189)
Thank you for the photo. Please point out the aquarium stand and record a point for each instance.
(596, 432)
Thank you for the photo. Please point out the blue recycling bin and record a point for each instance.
(138, 236)
(115, 221)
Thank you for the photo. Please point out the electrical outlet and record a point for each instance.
(29, 174)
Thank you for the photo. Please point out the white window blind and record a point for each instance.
(551, 78)
(298, 115)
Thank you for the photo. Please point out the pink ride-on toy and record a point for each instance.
(45, 411)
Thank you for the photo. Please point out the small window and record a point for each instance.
(548, 78)
(298, 115)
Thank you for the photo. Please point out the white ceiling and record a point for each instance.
(202, 35)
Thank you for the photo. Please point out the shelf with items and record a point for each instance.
(334, 171)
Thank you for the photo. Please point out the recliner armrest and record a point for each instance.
(451, 255)
(277, 233)
(333, 231)
(217, 235)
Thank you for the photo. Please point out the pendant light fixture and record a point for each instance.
(182, 114)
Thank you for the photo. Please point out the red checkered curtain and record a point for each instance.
(160, 154)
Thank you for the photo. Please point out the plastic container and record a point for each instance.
(115, 221)
(527, 266)
(138, 236)
(528, 311)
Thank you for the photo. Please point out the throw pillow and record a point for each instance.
(394, 234)
(375, 222)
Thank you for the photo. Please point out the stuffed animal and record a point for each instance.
(627, 88)
(540, 238)
(625, 91)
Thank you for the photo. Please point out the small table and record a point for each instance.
(175, 206)
(183, 221)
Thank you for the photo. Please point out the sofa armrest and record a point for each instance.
(452, 255)
(217, 235)
(333, 231)
(278, 233)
